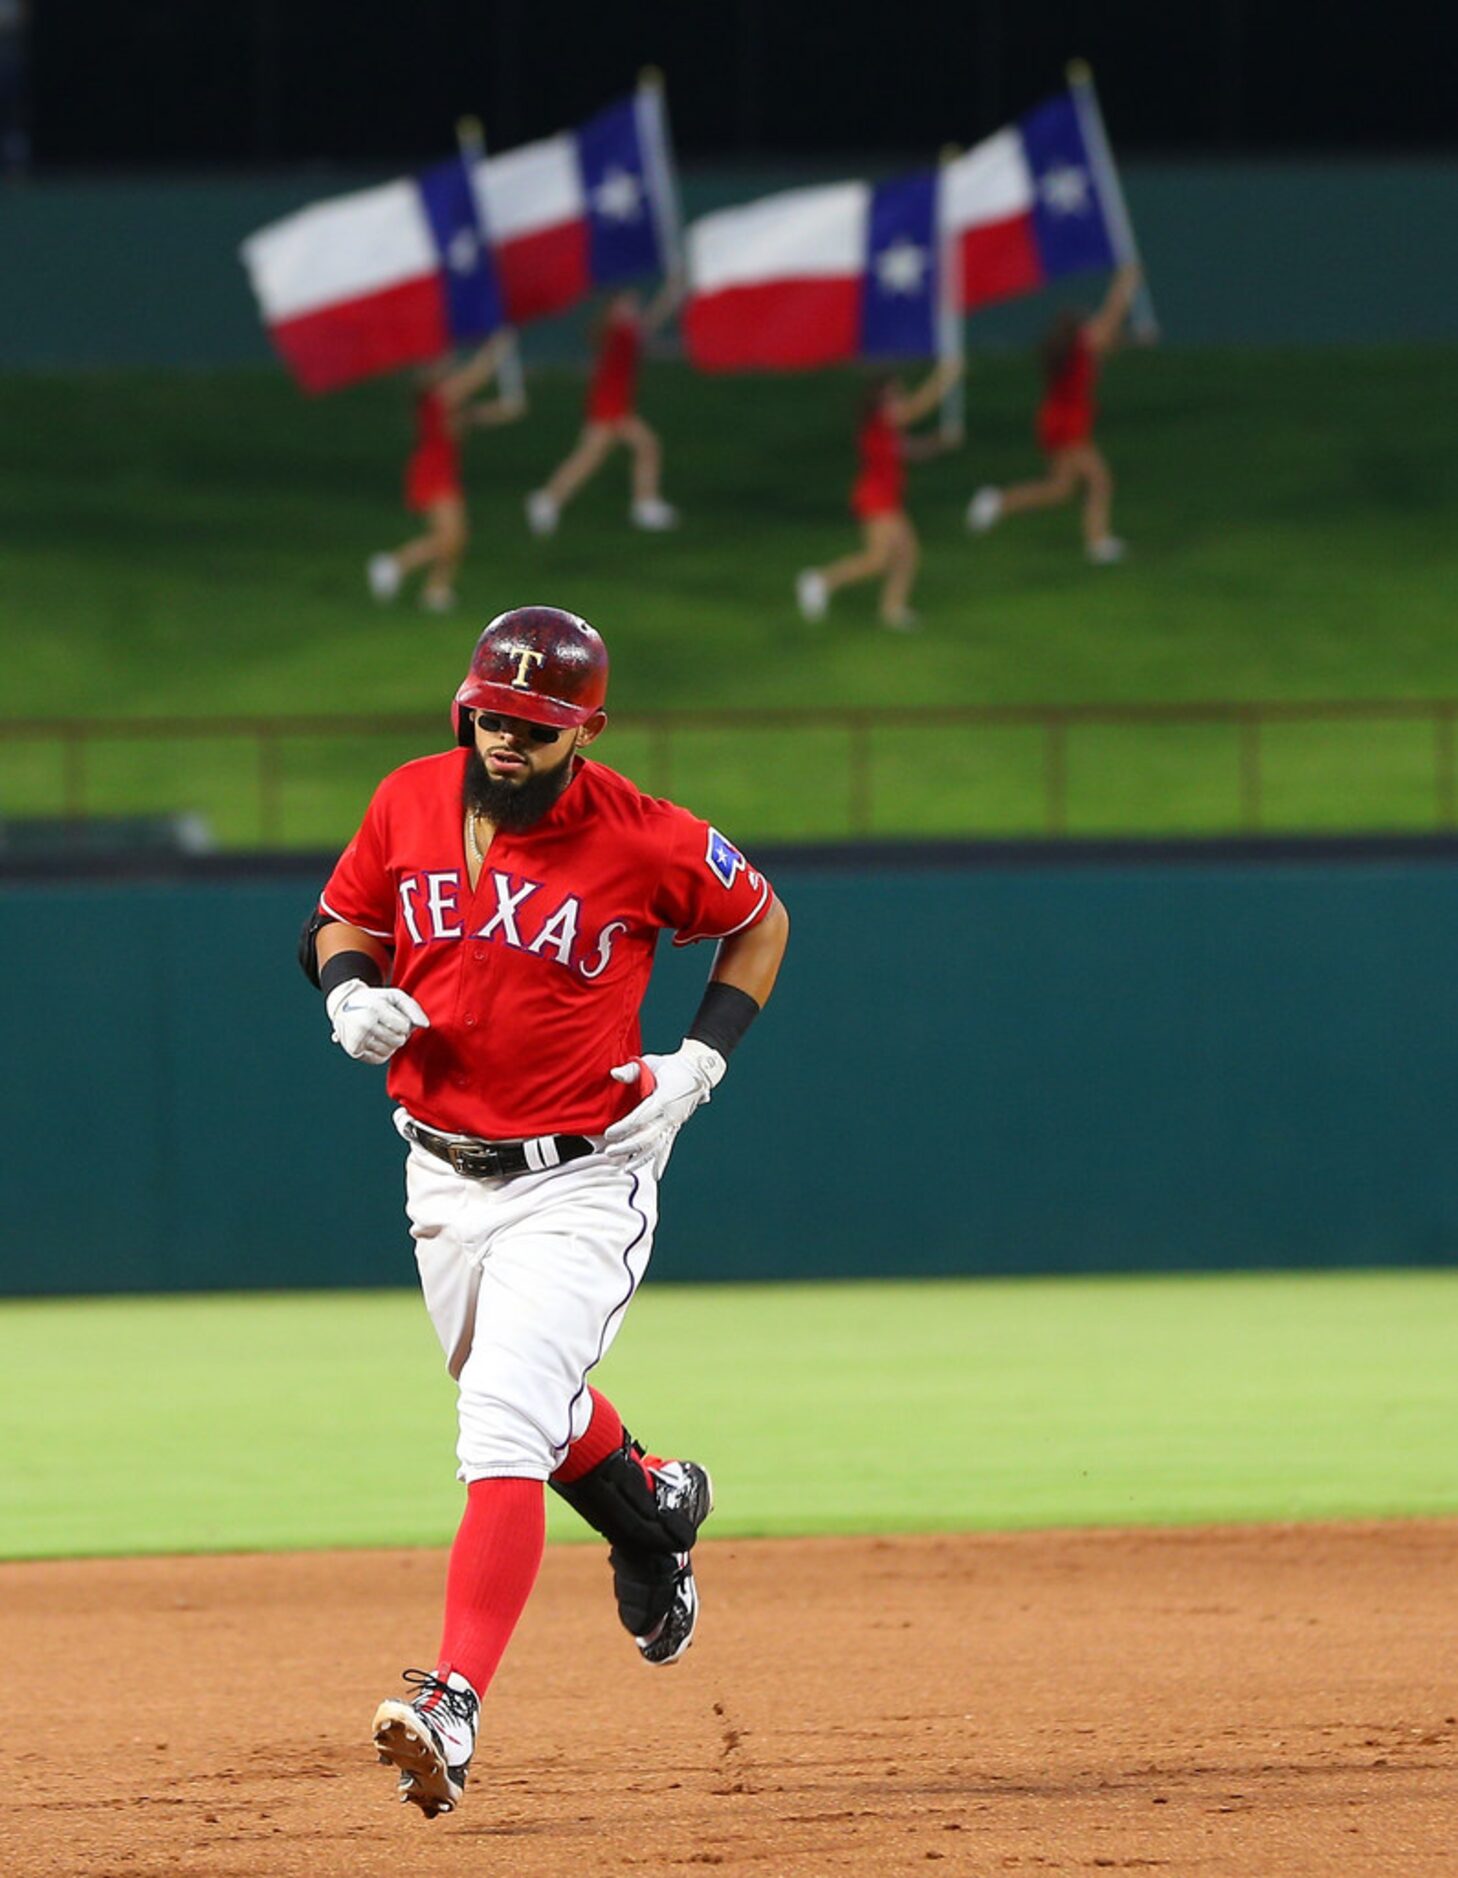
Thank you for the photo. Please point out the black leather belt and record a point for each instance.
(499, 1160)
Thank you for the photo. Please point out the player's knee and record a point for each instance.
(499, 1437)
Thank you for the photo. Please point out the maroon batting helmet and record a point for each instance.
(536, 662)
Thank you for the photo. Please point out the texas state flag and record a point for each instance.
(814, 276)
(584, 209)
(369, 282)
(1025, 206)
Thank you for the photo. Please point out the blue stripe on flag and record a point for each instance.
(468, 271)
(899, 286)
(622, 229)
(1068, 220)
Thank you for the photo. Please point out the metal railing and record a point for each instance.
(664, 731)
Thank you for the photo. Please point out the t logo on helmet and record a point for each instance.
(524, 662)
(537, 653)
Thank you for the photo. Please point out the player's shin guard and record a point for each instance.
(618, 1497)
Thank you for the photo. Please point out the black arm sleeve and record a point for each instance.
(343, 966)
(346, 965)
(723, 1016)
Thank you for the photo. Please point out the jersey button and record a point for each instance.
(478, 953)
(461, 1081)
(469, 1020)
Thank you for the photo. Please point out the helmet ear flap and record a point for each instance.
(465, 726)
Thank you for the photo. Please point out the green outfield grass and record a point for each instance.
(179, 544)
(323, 1419)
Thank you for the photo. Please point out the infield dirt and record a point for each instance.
(1255, 1701)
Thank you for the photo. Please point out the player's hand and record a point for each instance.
(675, 1086)
(372, 1021)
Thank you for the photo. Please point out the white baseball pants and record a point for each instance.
(527, 1282)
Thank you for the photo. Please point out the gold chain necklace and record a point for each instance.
(475, 840)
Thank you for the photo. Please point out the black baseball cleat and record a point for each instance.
(430, 1740)
(673, 1633)
(684, 1488)
(658, 1600)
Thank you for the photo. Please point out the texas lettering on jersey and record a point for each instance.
(532, 979)
(430, 905)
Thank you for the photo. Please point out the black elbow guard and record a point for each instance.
(308, 959)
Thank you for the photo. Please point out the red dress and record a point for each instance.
(1066, 415)
(880, 488)
(610, 393)
(433, 473)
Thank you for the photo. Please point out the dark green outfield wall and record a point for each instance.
(139, 272)
(1054, 1066)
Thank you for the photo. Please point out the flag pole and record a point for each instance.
(650, 105)
(1111, 194)
(471, 141)
(951, 327)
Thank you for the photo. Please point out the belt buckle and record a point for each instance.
(477, 1160)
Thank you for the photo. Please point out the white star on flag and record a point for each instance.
(1065, 191)
(462, 252)
(618, 196)
(900, 267)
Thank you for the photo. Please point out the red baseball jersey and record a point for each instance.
(533, 982)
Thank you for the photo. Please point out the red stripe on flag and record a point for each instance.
(999, 261)
(352, 339)
(542, 272)
(780, 325)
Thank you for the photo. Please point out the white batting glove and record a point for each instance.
(372, 1021)
(675, 1086)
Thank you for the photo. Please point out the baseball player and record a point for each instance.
(489, 934)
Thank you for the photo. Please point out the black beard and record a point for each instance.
(509, 805)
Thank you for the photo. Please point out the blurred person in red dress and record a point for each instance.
(443, 412)
(612, 418)
(890, 550)
(1072, 351)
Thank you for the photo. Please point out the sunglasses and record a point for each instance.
(538, 733)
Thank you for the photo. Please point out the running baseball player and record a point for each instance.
(489, 934)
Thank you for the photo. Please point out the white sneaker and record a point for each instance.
(984, 510)
(654, 514)
(438, 599)
(382, 571)
(542, 513)
(430, 1740)
(811, 594)
(1104, 553)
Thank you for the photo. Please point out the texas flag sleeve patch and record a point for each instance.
(723, 857)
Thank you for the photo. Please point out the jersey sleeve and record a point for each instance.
(707, 889)
(361, 891)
